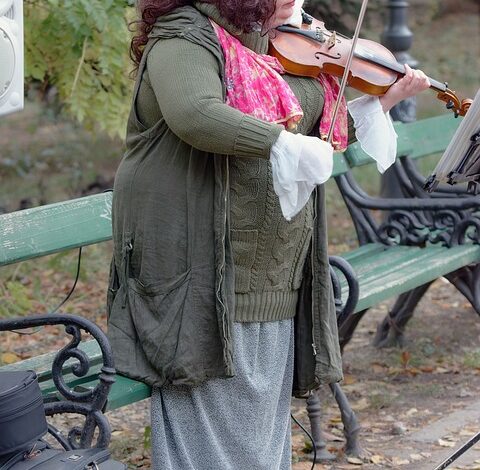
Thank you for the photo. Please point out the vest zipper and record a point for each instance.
(222, 266)
(126, 269)
(312, 265)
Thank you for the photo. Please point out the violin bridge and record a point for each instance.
(332, 40)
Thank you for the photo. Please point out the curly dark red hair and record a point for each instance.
(243, 14)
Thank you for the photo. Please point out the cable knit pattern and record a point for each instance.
(269, 251)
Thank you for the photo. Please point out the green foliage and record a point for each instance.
(147, 438)
(14, 299)
(472, 359)
(81, 48)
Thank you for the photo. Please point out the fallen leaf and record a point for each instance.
(444, 443)
(379, 368)
(376, 459)
(405, 358)
(9, 358)
(411, 411)
(336, 419)
(349, 379)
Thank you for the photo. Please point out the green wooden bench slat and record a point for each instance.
(340, 164)
(385, 262)
(416, 139)
(42, 364)
(399, 269)
(44, 230)
(124, 392)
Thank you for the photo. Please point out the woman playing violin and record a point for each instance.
(220, 294)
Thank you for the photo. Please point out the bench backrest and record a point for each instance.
(415, 139)
(44, 230)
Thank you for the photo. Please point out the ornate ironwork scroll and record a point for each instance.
(88, 403)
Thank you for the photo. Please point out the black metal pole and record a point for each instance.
(459, 452)
(398, 38)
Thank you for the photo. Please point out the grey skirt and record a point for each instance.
(242, 423)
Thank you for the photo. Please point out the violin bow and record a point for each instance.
(343, 83)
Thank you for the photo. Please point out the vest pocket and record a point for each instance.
(157, 312)
(244, 244)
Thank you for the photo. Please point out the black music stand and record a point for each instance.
(467, 170)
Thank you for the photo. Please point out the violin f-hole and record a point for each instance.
(331, 56)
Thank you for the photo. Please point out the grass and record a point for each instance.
(381, 399)
(46, 159)
(472, 359)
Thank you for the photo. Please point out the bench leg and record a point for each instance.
(351, 428)
(347, 328)
(467, 281)
(314, 410)
(391, 331)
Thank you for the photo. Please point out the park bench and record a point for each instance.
(94, 387)
(408, 242)
(386, 265)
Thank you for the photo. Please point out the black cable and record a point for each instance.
(314, 447)
(77, 276)
(74, 284)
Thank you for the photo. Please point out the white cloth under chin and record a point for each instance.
(296, 18)
(300, 162)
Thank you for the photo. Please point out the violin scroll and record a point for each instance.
(460, 108)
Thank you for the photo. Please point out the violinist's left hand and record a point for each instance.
(413, 82)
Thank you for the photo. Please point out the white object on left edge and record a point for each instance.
(11, 56)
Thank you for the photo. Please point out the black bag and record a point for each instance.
(23, 424)
(43, 457)
(22, 415)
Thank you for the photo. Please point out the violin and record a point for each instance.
(312, 49)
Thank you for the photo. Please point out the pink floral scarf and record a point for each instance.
(255, 86)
